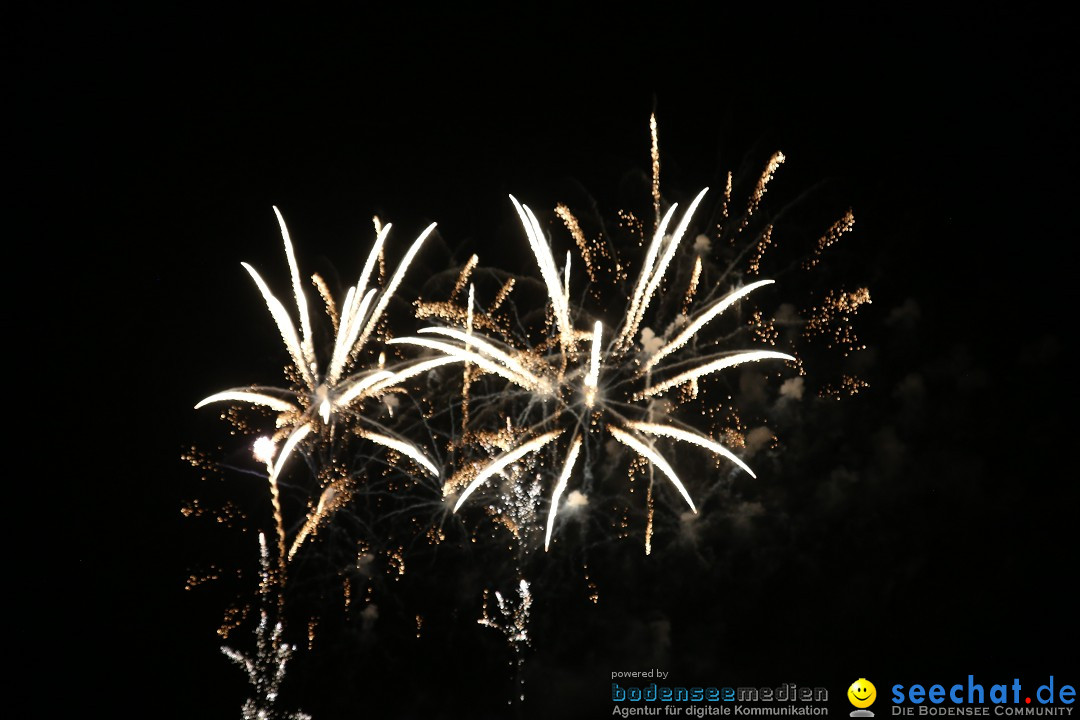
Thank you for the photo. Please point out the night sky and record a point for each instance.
(928, 530)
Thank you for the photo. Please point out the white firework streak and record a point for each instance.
(709, 314)
(639, 289)
(470, 339)
(253, 398)
(402, 447)
(527, 380)
(500, 463)
(285, 326)
(656, 274)
(286, 450)
(546, 262)
(275, 494)
(593, 376)
(649, 453)
(363, 386)
(410, 371)
(298, 292)
(392, 286)
(568, 467)
(348, 331)
(690, 437)
(711, 367)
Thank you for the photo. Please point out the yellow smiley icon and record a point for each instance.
(862, 693)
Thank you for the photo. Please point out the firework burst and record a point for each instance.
(578, 387)
(324, 400)
(545, 397)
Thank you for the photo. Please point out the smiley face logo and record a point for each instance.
(862, 693)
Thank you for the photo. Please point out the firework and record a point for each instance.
(513, 622)
(570, 375)
(265, 668)
(320, 396)
(597, 383)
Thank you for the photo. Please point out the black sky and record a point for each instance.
(156, 140)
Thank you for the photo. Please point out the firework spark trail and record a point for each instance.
(467, 371)
(513, 622)
(691, 289)
(333, 497)
(762, 187)
(275, 494)
(655, 155)
(265, 668)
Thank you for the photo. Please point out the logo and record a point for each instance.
(862, 694)
(975, 698)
